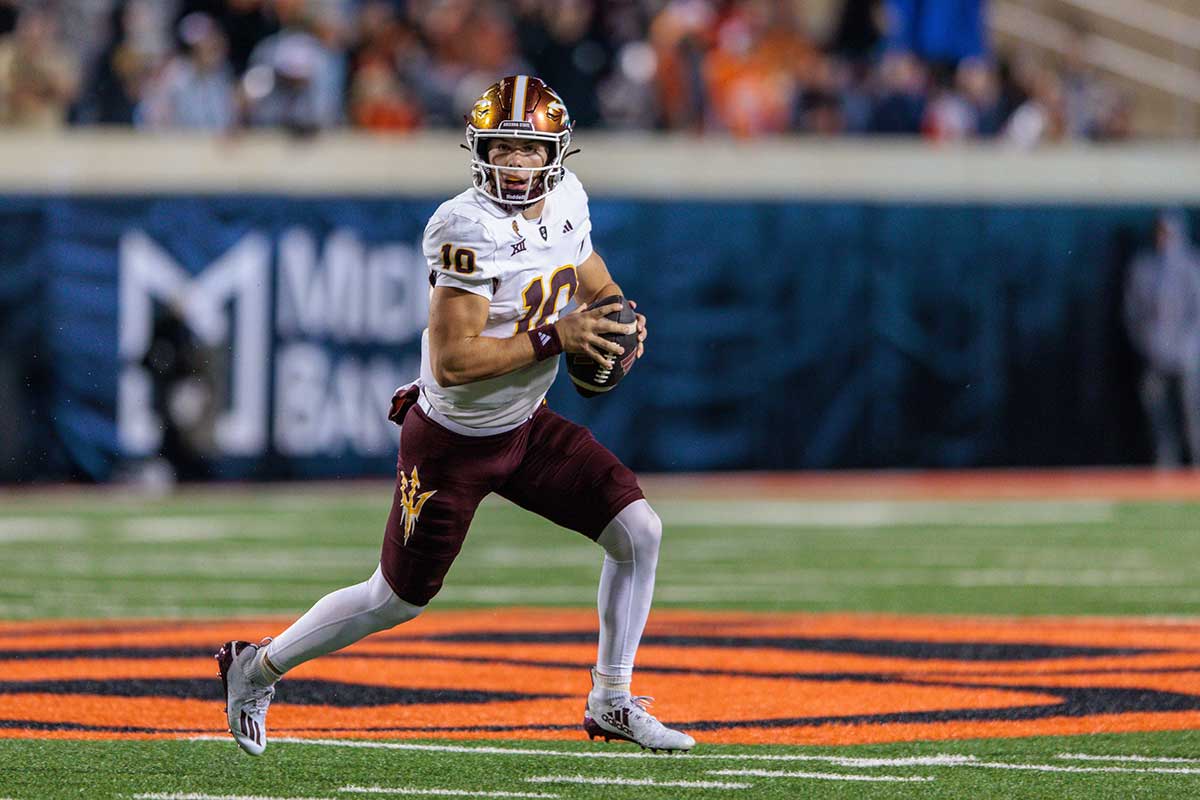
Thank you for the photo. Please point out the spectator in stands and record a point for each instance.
(900, 105)
(126, 66)
(745, 66)
(245, 24)
(681, 34)
(756, 69)
(38, 78)
(1162, 315)
(565, 51)
(626, 92)
(821, 105)
(1043, 117)
(379, 99)
(968, 110)
(295, 80)
(196, 89)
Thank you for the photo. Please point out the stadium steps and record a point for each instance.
(1149, 49)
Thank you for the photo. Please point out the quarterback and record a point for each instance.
(505, 257)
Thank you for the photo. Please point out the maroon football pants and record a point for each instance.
(549, 465)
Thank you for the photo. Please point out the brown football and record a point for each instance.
(590, 378)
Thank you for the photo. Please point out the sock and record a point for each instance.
(631, 543)
(261, 671)
(608, 688)
(337, 620)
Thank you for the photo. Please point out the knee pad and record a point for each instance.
(634, 534)
(385, 605)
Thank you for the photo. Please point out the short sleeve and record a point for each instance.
(461, 253)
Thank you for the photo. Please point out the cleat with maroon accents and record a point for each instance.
(627, 719)
(245, 703)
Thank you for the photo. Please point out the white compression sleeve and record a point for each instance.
(339, 619)
(631, 543)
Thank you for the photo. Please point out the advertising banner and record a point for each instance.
(261, 336)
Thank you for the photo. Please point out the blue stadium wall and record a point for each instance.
(784, 334)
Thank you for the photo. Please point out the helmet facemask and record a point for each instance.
(540, 181)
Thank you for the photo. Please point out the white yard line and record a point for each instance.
(1054, 768)
(408, 790)
(1040, 576)
(616, 780)
(911, 761)
(41, 529)
(200, 528)
(1138, 759)
(878, 514)
(844, 761)
(823, 776)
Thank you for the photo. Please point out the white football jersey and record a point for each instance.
(526, 269)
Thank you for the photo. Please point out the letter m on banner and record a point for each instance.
(224, 305)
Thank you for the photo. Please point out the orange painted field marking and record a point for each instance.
(522, 673)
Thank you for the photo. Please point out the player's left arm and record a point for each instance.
(595, 282)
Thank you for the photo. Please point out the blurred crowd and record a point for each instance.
(748, 67)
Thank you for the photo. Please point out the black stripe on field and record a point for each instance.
(42, 725)
(110, 653)
(298, 692)
(1074, 702)
(899, 676)
(892, 648)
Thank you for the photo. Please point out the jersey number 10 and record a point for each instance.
(463, 259)
(536, 298)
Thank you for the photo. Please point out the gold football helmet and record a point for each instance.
(518, 107)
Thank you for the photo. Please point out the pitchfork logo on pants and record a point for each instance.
(410, 502)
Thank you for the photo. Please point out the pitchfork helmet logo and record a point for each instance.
(411, 503)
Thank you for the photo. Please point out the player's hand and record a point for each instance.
(641, 325)
(582, 331)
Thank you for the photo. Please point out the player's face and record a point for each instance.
(523, 153)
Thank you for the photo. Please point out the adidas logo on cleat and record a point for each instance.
(619, 719)
(251, 729)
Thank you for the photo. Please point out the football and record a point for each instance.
(590, 378)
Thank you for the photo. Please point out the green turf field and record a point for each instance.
(254, 552)
(1003, 768)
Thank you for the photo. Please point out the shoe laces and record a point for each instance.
(642, 701)
(640, 704)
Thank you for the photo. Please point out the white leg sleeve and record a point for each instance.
(340, 619)
(630, 543)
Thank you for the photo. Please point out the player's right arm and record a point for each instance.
(459, 353)
(462, 257)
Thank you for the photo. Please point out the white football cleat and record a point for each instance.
(627, 719)
(245, 704)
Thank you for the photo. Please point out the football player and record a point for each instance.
(505, 256)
